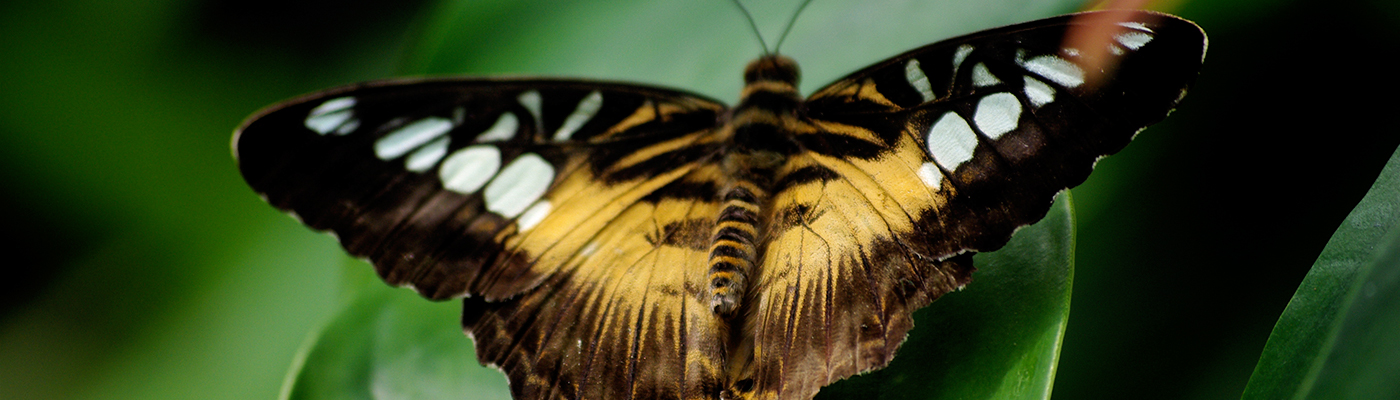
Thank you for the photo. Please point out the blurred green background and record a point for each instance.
(142, 267)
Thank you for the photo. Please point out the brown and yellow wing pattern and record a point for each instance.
(616, 241)
(908, 166)
(569, 213)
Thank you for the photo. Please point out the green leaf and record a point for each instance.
(997, 339)
(1338, 336)
(393, 344)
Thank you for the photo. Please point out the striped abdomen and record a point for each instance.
(732, 251)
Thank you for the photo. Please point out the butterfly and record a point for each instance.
(613, 240)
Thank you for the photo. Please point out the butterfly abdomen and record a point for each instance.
(732, 250)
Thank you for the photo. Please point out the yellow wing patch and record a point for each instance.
(622, 313)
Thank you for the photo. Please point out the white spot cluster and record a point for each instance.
(914, 73)
(952, 141)
(512, 190)
(335, 115)
(516, 188)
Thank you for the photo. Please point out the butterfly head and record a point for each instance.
(772, 68)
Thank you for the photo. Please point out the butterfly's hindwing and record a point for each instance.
(624, 319)
(619, 241)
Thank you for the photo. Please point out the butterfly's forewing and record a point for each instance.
(457, 187)
(932, 154)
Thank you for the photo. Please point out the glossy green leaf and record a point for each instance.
(1338, 337)
(392, 344)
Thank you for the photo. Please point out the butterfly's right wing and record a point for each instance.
(920, 160)
(574, 215)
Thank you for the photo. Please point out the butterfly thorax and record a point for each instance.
(772, 68)
(770, 88)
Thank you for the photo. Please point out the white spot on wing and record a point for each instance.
(582, 113)
(469, 168)
(930, 174)
(1135, 25)
(409, 137)
(1133, 40)
(960, 55)
(1053, 68)
(325, 123)
(518, 185)
(333, 105)
(427, 156)
(459, 115)
(331, 116)
(981, 76)
(951, 141)
(918, 80)
(1038, 92)
(531, 101)
(533, 215)
(997, 114)
(504, 129)
(348, 126)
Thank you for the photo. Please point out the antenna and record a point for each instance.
(790, 23)
(754, 25)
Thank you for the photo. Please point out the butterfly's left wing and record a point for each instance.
(912, 164)
(572, 214)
